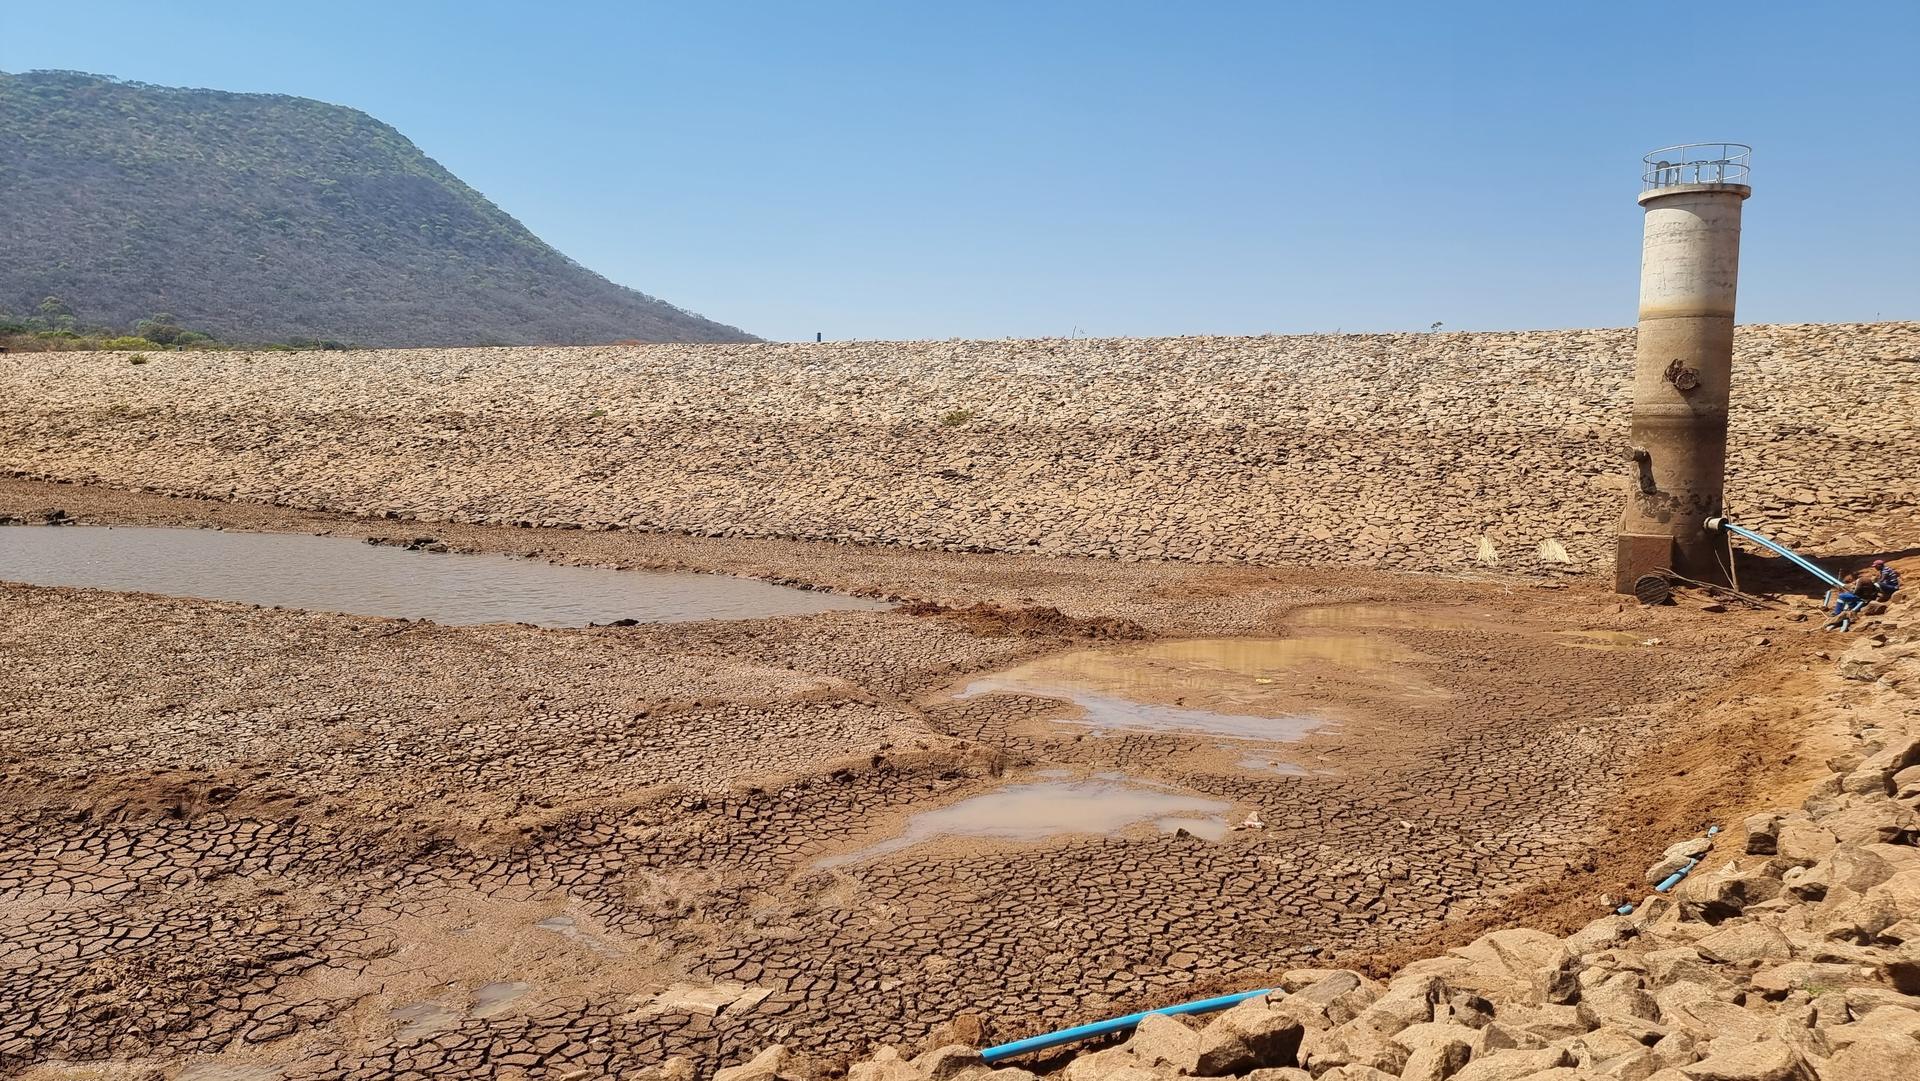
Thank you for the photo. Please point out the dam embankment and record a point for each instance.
(1391, 450)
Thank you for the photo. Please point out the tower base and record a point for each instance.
(1707, 559)
(1636, 554)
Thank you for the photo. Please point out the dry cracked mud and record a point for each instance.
(250, 842)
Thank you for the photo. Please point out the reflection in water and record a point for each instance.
(492, 999)
(1040, 809)
(1272, 765)
(423, 1019)
(338, 574)
(1393, 617)
(228, 1071)
(566, 927)
(1250, 688)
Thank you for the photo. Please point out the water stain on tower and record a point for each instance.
(1677, 450)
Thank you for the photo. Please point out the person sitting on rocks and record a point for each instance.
(1888, 579)
(1862, 589)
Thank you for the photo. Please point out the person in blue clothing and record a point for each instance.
(1862, 589)
(1888, 579)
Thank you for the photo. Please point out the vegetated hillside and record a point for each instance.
(261, 217)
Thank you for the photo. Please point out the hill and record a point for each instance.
(261, 217)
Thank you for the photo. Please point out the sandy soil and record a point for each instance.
(339, 846)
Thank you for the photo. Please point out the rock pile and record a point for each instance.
(1794, 957)
(1413, 451)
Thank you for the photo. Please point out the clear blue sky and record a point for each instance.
(990, 169)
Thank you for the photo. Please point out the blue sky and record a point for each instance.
(988, 169)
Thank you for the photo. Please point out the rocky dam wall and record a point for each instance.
(1430, 452)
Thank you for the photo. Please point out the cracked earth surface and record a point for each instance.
(326, 846)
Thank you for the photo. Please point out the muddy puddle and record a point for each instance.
(490, 1000)
(417, 1019)
(1604, 639)
(1105, 804)
(1267, 764)
(1394, 617)
(1246, 688)
(340, 574)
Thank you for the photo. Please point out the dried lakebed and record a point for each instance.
(337, 574)
(308, 845)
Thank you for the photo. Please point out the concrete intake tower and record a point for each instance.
(1683, 363)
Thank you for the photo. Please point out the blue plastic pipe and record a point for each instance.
(1777, 548)
(1115, 1024)
(1673, 879)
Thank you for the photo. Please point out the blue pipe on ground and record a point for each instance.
(1115, 1024)
(1673, 879)
(1206, 1005)
(1777, 548)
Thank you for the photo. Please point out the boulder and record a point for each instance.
(1435, 1051)
(1251, 1035)
(1605, 933)
(1762, 834)
(943, 1063)
(1621, 1001)
(1557, 982)
(1350, 1046)
(1676, 1049)
(886, 1064)
(1501, 964)
(1603, 1045)
(1737, 1060)
(1677, 964)
(1880, 1021)
(1723, 893)
(1549, 1022)
(1409, 1000)
(1499, 1036)
(1692, 1009)
(1877, 1057)
(1776, 981)
(1799, 840)
(1873, 822)
(1103, 1065)
(1512, 1065)
(1744, 942)
(1807, 883)
(1635, 1065)
(1332, 1000)
(1466, 1008)
(772, 1064)
(1163, 1041)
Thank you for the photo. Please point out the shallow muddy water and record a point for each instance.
(1601, 639)
(493, 999)
(1036, 810)
(1393, 617)
(1247, 688)
(340, 574)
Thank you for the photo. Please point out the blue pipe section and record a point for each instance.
(1673, 879)
(1775, 547)
(1206, 1005)
(1115, 1024)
